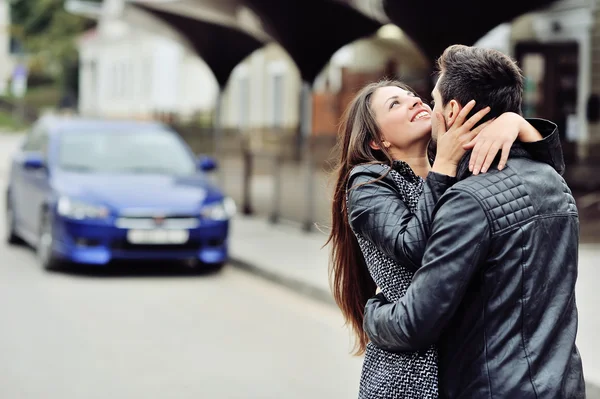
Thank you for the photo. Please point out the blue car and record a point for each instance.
(86, 191)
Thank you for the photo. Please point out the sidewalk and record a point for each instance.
(286, 255)
(282, 253)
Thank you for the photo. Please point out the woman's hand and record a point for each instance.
(451, 143)
(499, 136)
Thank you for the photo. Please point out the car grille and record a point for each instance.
(124, 245)
(163, 222)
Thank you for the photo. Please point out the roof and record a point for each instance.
(312, 31)
(221, 47)
(435, 25)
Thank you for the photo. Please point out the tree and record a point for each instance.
(47, 33)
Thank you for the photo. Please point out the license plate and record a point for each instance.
(158, 236)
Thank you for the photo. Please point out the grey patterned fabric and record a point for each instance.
(387, 375)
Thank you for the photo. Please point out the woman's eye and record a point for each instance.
(395, 102)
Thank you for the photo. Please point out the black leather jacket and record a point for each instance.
(496, 286)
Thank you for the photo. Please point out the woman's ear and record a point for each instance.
(375, 146)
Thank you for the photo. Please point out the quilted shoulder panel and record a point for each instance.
(503, 197)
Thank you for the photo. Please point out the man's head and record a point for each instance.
(487, 76)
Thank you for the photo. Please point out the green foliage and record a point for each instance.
(8, 123)
(48, 34)
(42, 97)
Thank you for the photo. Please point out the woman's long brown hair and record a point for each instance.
(350, 281)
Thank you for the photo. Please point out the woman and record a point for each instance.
(384, 141)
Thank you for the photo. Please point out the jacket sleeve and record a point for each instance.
(548, 150)
(457, 248)
(377, 212)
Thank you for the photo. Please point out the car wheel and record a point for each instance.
(45, 244)
(215, 267)
(11, 236)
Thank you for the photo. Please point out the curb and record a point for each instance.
(295, 285)
(592, 391)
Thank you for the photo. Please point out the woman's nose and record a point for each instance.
(416, 102)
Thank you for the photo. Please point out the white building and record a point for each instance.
(264, 90)
(6, 61)
(136, 70)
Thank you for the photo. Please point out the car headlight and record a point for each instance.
(75, 209)
(221, 210)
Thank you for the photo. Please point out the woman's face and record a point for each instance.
(404, 120)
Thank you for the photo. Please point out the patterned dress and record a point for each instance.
(387, 375)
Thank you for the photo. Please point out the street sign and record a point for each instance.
(19, 81)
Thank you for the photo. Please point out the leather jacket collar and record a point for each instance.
(516, 151)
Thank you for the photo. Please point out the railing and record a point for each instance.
(266, 172)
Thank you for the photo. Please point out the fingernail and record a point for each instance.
(483, 170)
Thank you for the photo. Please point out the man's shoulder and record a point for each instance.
(502, 195)
(490, 183)
(511, 179)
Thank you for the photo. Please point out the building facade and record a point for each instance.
(128, 70)
(6, 59)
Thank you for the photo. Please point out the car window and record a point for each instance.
(139, 152)
(37, 140)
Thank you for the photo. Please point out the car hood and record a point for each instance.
(121, 192)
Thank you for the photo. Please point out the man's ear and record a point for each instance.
(452, 110)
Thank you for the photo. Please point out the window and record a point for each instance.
(244, 102)
(278, 100)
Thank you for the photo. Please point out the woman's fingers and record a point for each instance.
(478, 156)
(485, 151)
(490, 156)
(471, 135)
(441, 124)
(504, 157)
(462, 115)
(470, 144)
(472, 121)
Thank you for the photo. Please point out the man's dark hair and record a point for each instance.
(488, 76)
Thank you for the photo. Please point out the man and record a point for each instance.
(496, 288)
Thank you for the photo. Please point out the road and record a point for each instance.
(150, 334)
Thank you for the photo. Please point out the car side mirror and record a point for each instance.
(206, 164)
(34, 161)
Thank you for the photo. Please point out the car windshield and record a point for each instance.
(140, 152)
